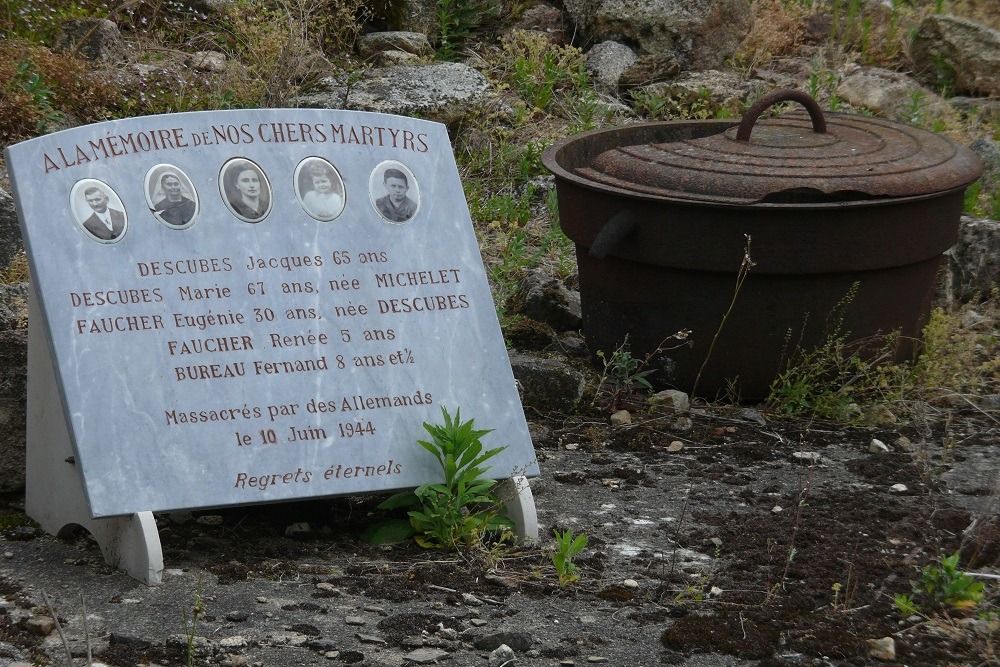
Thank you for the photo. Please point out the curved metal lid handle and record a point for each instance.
(772, 98)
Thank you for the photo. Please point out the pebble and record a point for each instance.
(777, 509)
(8, 555)
(370, 639)
(670, 398)
(262, 600)
(471, 600)
(572, 446)
(596, 658)
(903, 443)
(675, 446)
(40, 625)
(478, 622)
(898, 488)
(502, 656)
(683, 424)
(354, 620)
(236, 641)
(376, 610)
(877, 445)
(325, 586)
(807, 457)
(630, 583)
(621, 418)
(882, 649)
(210, 520)
(426, 656)
(715, 591)
(300, 528)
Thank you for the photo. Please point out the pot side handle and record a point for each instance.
(612, 233)
(772, 98)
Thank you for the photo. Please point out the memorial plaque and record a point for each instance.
(252, 306)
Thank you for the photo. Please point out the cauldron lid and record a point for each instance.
(795, 157)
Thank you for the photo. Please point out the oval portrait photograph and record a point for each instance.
(98, 210)
(319, 189)
(245, 190)
(171, 196)
(394, 191)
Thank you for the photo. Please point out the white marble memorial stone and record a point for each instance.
(252, 306)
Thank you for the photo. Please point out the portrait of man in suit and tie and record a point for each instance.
(106, 221)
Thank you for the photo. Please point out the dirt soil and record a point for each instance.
(714, 541)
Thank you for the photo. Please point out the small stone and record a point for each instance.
(8, 555)
(715, 591)
(502, 656)
(208, 61)
(877, 445)
(811, 458)
(261, 600)
(670, 398)
(899, 488)
(425, 656)
(571, 446)
(236, 641)
(882, 649)
(40, 625)
(370, 639)
(596, 658)
(630, 583)
(675, 446)
(300, 528)
(621, 418)
(210, 520)
(237, 616)
(716, 541)
(331, 655)
(682, 424)
(326, 586)
(777, 509)
(451, 634)
(478, 622)
(354, 620)
(903, 443)
(587, 619)
(372, 609)
(471, 600)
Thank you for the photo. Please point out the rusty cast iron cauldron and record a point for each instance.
(660, 213)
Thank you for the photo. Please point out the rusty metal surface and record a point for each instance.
(789, 160)
(660, 213)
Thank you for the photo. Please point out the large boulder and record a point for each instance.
(707, 94)
(699, 34)
(958, 53)
(10, 232)
(98, 40)
(547, 384)
(607, 61)
(890, 94)
(374, 43)
(444, 92)
(13, 408)
(973, 263)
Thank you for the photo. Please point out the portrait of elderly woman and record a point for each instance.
(246, 190)
(319, 188)
(171, 196)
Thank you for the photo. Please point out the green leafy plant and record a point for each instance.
(941, 587)
(567, 547)
(623, 370)
(458, 511)
(459, 20)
